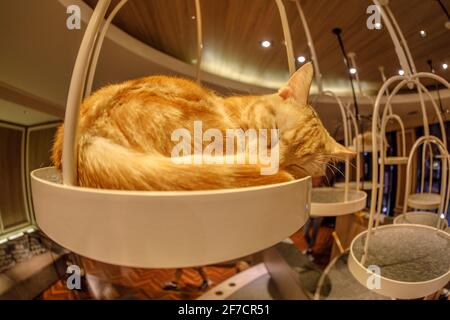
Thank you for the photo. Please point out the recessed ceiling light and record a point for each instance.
(353, 70)
(266, 43)
(378, 25)
(401, 72)
(193, 17)
(444, 66)
(423, 33)
(301, 59)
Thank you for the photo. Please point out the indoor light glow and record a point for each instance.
(444, 66)
(423, 33)
(15, 236)
(401, 72)
(301, 59)
(266, 43)
(353, 70)
(378, 25)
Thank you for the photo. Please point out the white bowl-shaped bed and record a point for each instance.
(330, 202)
(366, 185)
(424, 200)
(167, 229)
(414, 260)
(421, 217)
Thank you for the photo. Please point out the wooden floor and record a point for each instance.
(113, 282)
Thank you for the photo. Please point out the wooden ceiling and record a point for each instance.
(233, 30)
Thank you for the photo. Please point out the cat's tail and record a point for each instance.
(106, 165)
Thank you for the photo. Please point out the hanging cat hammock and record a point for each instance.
(405, 261)
(413, 260)
(156, 229)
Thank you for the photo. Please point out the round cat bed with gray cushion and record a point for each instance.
(421, 217)
(337, 283)
(413, 260)
(363, 185)
(424, 201)
(330, 202)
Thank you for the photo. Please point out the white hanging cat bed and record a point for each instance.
(413, 260)
(156, 229)
(426, 217)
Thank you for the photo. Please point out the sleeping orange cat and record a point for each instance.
(124, 135)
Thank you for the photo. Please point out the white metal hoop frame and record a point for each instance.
(445, 180)
(414, 78)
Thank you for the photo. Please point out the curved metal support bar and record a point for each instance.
(75, 95)
(402, 39)
(312, 49)
(352, 56)
(426, 126)
(287, 36)
(198, 13)
(357, 149)
(99, 45)
(383, 157)
(383, 77)
(346, 139)
(436, 110)
(398, 47)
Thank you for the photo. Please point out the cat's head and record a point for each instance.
(309, 145)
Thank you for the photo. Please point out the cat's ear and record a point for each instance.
(337, 150)
(299, 85)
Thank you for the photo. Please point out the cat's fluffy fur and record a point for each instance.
(125, 131)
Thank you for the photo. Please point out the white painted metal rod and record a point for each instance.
(198, 12)
(75, 95)
(421, 141)
(312, 49)
(346, 140)
(398, 47)
(99, 45)
(402, 38)
(287, 36)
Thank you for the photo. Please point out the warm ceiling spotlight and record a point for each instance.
(266, 43)
(352, 70)
(193, 17)
(423, 33)
(444, 66)
(301, 59)
(378, 25)
(401, 72)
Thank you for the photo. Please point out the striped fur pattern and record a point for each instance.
(125, 131)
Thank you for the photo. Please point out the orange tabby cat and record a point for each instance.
(125, 131)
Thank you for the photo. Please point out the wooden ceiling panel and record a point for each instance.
(233, 30)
